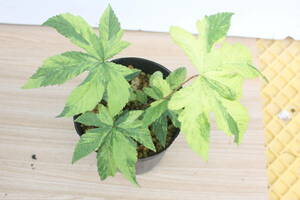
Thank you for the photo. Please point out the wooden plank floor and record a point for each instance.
(28, 126)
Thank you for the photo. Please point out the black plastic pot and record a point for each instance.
(145, 164)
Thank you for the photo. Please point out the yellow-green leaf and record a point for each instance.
(129, 125)
(218, 87)
(89, 119)
(153, 92)
(104, 77)
(155, 110)
(117, 91)
(110, 34)
(59, 69)
(109, 25)
(78, 31)
(115, 141)
(157, 81)
(105, 163)
(214, 28)
(85, 97)
(190, 44)
(177, 77)
(89, 142)
(160, 129)
(125, 156)
(196, 128)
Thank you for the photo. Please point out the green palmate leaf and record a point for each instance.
(173, 115)
(110, 34)
(104, 77)
(225, 120)
(131, 127)
(132, 93)
(104, 116)
(141, 96)
(101, 119)
(128, 117)
(155, 110)
(115, 141)
(234, 58)
(109, 26)
(89, 119)
(134, 73)
(89, 142)
(125, 155)
(78, 31)
(195, 100)
(160, 128)
(232, 118)
(128, 73)
(177, 77)
(116, 85)
(59, 69)
(124, 71)
(115, 46)
(90, 92)
(157, 81)
(218, 87)
(214, 28)
(196, 131)
(85, 96)
(105, 162)
(188, 42)
(153, 92)
(158, 113)
(231, 83)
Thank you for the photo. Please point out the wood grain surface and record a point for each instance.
(28, 126)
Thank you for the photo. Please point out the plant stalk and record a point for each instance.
(187, 80)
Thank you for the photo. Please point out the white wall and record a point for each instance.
(254, 18)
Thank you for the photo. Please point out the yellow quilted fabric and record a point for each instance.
(280, 63)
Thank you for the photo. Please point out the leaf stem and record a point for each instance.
(180, 86)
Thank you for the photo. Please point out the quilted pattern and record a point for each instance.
(280, 63)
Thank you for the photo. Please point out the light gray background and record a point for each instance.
(255, 18)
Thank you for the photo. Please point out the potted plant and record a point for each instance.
(130, 110)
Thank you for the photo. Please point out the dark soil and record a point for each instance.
(138, 83)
